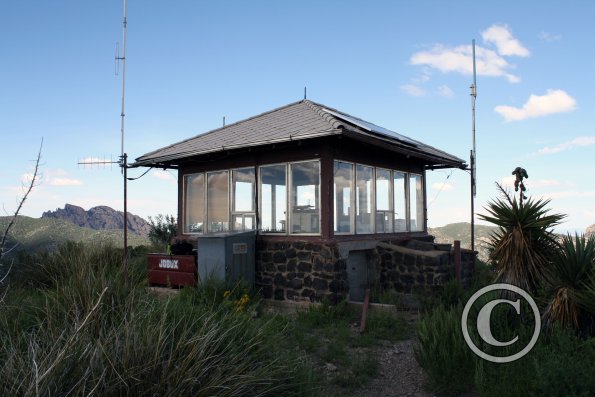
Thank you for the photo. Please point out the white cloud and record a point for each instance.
(541, 183)
(574, 194)
(423, 77)
(508, 182)
(164, 175)
(27, 177)
(505, 43)
(576, 142)
(64, 182)
(444, 187)
(554, 101)
(445, 91)
(413, 90)
(460, 60)
(545, 36)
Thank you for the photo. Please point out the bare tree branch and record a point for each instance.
(23, 199)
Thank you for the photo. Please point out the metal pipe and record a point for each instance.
(123, 59)
(124, 157)
(473, 153)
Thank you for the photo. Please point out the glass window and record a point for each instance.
(400, 206)
(218, 201)
(384, 216)
(416, 202)
(364, 199)
(194, 203)
(243, 186)
(343, 193)
(273, 198)
(305, 191)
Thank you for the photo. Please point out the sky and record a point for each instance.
(404, 65)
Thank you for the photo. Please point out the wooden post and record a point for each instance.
(362, 324)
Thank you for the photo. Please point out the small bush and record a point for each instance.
(442, 351)
(564, 365)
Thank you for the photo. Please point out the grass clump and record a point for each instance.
(442, 351)
(330, 335)
(79, 326)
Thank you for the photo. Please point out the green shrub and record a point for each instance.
(442, 351)
(81, 329)
(387, 326)
(565, 365)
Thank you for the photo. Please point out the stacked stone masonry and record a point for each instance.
(300, 270)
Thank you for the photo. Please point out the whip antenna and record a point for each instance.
(472, 160)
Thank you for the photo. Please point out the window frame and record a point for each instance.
(391, 203)
(372, 200)
(289, 198)
(185, 203)
(259, 203)
(232, 202)
(351, 199)
(407, 199)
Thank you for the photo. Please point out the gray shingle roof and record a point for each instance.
(300, 120)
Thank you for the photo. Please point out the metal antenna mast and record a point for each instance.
(123, 156)
(473, 154)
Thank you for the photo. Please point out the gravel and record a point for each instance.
(399, 374)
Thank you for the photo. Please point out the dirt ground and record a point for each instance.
(399, 375)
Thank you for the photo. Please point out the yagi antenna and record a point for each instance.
(96, 161)
(123, 159)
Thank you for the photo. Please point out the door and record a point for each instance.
(357, 275)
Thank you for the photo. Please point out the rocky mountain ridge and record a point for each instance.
(99, 218)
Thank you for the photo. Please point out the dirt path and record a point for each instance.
(399, 375)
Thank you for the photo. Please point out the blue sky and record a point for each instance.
(400, 64)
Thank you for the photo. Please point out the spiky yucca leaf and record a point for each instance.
(571, 280)
(524, 243)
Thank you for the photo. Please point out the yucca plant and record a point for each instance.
(571, 281)
(524, 242)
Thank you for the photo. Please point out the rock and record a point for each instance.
(99, 218)
(330, 367)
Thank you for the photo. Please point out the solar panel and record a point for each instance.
(373, 127)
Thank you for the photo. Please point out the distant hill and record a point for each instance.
(462, 231)
(99, 218)
(43, 234)
(590, 230)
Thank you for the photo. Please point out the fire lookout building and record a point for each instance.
(337, 203)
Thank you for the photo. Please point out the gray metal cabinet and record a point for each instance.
(227, 257)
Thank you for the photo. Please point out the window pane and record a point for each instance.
(243, 182)
(194, 203)
(273, 198)
(384, 216)
(243, 221)
(400, 215)
(364, 199)
(343, 182)
(305, 190)
(218, 201)
(416, 202)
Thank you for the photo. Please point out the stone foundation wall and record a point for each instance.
(298, 270)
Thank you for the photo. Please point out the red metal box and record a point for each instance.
(172, 270)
